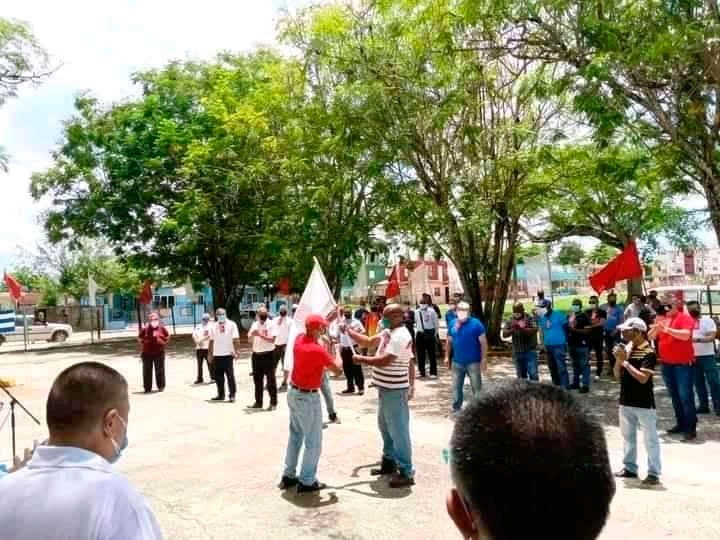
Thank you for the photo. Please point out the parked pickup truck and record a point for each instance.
(37, 331)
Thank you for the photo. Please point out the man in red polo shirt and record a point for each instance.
(677, 357)
(310, 361)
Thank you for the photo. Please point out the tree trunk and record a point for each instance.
(711, 187)
(634, 286)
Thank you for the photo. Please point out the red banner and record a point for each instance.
(625, 266)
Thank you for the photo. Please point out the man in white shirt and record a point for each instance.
(281, 332)
(426, 326)
(262, 334)
(353, 372)
(201, 337)
(69, 488)
(224, 349)
(705, 368)
(394, 376)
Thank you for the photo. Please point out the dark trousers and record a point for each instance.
(353, 372)
(280, 355)
(596, 344)
(610, 341)
(263, 367)
(202, 355)
(426, 345)
(679, 381)
(224, 365)
(158, 361)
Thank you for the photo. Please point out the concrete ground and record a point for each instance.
(210, 470)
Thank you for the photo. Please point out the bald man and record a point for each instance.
(394, 377)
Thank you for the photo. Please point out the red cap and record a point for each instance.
(315, 321)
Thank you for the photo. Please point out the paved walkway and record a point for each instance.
(209, 470)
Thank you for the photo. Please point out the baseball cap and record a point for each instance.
(633, 323)
(315, 321)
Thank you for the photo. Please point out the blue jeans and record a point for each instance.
(581, 365)
(705, 368)
(458, 381)
(394, 424)
(327, 394)
(526, 365)
(305, 427)
(646, 419)
(558, 364)
(679, 382)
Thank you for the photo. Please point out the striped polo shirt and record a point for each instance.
(394, 376)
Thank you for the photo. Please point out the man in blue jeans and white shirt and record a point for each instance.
(635, 367)
(394, 377)
(467, 339)
(705, 368)
(555, 341)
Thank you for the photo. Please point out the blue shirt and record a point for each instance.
(450, 317)
(615, 316)
(553, 328)
(466, 341)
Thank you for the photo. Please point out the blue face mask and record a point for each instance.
(119, 448)
(386, 322)
(221, 318)
(575, 308)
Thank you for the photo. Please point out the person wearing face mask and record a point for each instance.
(262, 334)
(77, 492)
(201, 337)
(615, 315)
(426, 324)
(469, 345)
(555, 341)
(153, 338)
(705, 368)
(394, 377)
(224, 349)
(282, 331)
(353, 372)
(578, 330)
(523, 330)
(677, 356)
(596, 339)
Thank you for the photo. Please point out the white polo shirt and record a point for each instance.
(704, 326)
(201, 335)
(267, 328)
(222, 336)
(282, 329)
(68, 492)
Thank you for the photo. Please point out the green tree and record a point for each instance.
(464, 130)
(644, 68)
(601, 254)
(570, 254)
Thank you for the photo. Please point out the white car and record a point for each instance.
(37, 331)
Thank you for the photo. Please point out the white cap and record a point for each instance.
(633, 323)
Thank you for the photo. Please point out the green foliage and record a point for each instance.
(601, 254)
(570, 254)
(21, 58)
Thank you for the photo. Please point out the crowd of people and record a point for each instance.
(493, 441)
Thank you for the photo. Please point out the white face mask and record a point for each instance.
(462, 315)
(154, 324)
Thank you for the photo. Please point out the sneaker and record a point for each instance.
(674, 430)
(361, 392)
(218, 398)
(231, 399)
(199, 381)
(651, 480)
(272, 407)
(316, 486)
(334, 418)
(286, 482)
(347, 392)
(399, 480)
(624, 473)
(596, 378)
(585, 390)
(703, 410)
(254, 406)
(689, 436)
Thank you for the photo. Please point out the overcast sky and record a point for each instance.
(99, 45)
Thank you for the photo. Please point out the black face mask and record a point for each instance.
(262, 317)
(283, 313)
(694, 312)
(348, 316)
(612, 302)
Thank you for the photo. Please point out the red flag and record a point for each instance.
(284, 286)
(625, 266)
(14, 287)
(393, 286)
(146, 294)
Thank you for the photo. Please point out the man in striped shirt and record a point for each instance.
(394, 377)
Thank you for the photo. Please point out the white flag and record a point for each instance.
(316, 299)
(92, 290)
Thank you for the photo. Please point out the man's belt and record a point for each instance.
(305, 390)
